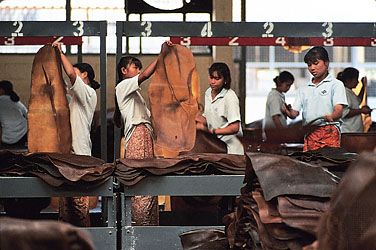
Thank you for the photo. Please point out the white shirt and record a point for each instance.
(132, 106)
(274, 104)
(318, 100)
(13, 120)
(221, 112)
(82, 108)
(355, 123)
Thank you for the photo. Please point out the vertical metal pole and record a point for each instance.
(68, 17)
(242, 70)
(119, 52)
(79, 53)
(103, 89)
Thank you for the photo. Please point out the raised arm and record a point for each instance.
(148, 71)
(67, 65)
(152, 66)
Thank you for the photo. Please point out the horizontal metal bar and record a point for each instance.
(50, 28)
(198, 185)
(12, 187)
(273, 41)
(152, 237)
(249, 29)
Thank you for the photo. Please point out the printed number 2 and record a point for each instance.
(19, 26)
(268, 27)
(234, 41)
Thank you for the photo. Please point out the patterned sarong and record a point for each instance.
(322, 136)
(144, 208)
(75, 210)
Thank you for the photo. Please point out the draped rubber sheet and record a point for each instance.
(49, 127)
(173, 95)
(57, 169)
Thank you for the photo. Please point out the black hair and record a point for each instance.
(316, 53)
(284, 76)
(7, 86)
(85, 67)
(223, 71)
(125, 61)
(348, 74)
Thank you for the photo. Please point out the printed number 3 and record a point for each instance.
(80, 28)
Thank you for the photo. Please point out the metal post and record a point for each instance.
(119, 51)
(243, 70)
(103, 89)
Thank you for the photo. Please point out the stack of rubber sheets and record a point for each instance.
(56, 169)
(284, 199)
(350, 222)
(129, 171)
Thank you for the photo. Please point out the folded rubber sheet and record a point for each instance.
(129, 172)
(283, 175)
(56, 169)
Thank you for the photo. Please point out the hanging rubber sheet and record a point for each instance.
(173, 94)
(48, 116)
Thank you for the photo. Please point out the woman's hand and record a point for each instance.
(201, 126)
(58, 46)
(165, 47)
(365, 110)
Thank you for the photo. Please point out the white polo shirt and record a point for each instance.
(318, 100)
(222, 111)
(132, 106)
(13, 120)
(355, 123)
(82, 107)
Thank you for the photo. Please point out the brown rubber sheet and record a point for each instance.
(56, 169)
(48, 116)
(283, 175)
(130, 172)
(173, 102)
(42, 235)
(350, 223)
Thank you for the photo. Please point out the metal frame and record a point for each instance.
(14, 29)
(274, 32)
(31, 187)
(248, 29)
(167, 237)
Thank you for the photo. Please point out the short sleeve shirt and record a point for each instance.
(13, 120)
(355, 123)
(318, 100)
(82, 108)
(274, 104)
(222, 111)
(132, 106)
